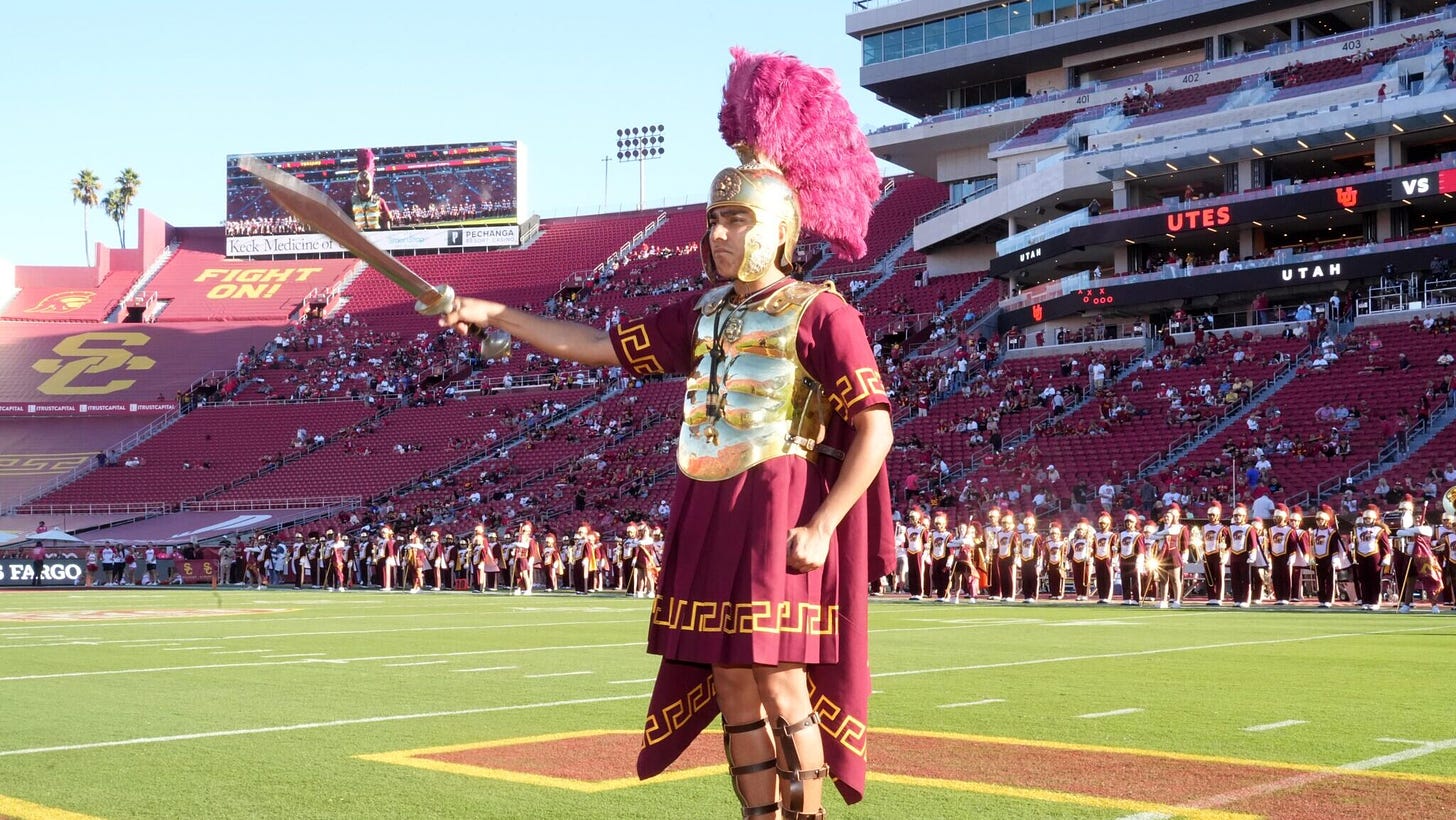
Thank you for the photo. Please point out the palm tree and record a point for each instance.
(115, 207)
(86, 190)
(120, 198)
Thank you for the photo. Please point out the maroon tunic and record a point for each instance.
(725, 596)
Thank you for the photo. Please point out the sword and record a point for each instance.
(311, 207)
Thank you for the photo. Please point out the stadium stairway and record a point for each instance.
(1159, 462)
(140, 285)
(1433, 444)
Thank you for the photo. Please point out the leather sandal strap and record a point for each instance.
(799, 775)
(750, 768)
(761, 723)
(786, 729)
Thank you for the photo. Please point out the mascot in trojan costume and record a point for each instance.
(723, 602)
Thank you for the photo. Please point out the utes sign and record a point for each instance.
(1199, 218)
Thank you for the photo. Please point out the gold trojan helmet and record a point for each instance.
(758, 185)
(803, 162)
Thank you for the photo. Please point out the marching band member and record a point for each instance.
(1243, 543)
(990, 533)
(1372, 546)
(1280, 547)
(435, 558)
(1173, 543)
(339, 561)
(391, 557)
(1080, 549)
(1298, 554)
(460, 566)
(298, 557)
(941, 561)
(1028, 553)
(1402, 552)
(524, 559)
(414, 562)
(257, 554)
(577, 552)
(1259, 559)
(1130, 549)
(1215, 554)
(491, 562)
(1054, 552)
(1421, 567)
(551, 561)
(1104, 547)
(1444, 546)
(1325, 544)
(901, 580)
(916, 575)
(627, 559)
(963, 549)
(1005, 560)
(645, 566)
(317, 558)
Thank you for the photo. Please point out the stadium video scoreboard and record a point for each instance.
(455, 196)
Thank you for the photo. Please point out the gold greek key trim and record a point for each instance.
(637, 347)
(866, 384)
(732, 618)
(661, 725)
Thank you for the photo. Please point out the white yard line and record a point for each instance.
(298, 655)
(1148, 652)
(393, 616)
(1302, 779)
(295, 727)
(636, 680)
(416, 663)
(1113, 713)
(150, 669)
(1269, 727)
(488, 669)
(971, 703)
(190, 648)
(330, 633)
(559, 674)
(243, 652)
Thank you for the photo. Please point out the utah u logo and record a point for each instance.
(80, 360)
(1348, 196)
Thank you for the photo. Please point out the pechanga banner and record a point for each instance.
(417, 197)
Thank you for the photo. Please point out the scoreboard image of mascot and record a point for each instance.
(460, 196)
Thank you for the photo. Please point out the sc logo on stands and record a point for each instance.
(80, 358)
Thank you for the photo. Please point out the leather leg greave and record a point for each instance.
(745, 774)
(791, 780)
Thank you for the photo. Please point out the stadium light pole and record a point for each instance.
(638, 144)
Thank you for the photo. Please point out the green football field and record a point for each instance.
(295, 704)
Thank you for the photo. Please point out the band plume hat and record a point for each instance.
(790, 119)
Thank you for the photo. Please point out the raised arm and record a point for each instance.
(566, 340)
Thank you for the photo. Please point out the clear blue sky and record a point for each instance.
(171, 89)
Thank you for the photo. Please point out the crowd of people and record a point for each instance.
(520, 560)
(1280, 558)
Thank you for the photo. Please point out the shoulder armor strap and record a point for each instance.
(710, 302)
(796, 295)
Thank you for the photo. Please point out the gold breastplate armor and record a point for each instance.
(748, 397)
